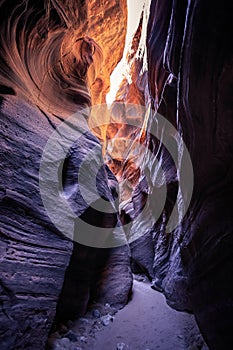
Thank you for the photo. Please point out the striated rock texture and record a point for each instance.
(56, 58)
(190, 84)
(34, 254)
(107, 25)
(48, 63)
(127, 116)
(39, 266)
(52, 50)
(190, 79)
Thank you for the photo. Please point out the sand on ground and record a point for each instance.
(148, 323)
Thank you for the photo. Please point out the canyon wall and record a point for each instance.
(49, 63)
(190, 84)
(56, 58)
(190, 81)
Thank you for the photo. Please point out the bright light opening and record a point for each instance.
(135, 8)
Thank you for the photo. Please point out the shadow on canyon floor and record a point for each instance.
(145, 323)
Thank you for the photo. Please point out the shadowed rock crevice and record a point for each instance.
(197, 55)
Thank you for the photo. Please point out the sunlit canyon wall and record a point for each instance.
(50, 68)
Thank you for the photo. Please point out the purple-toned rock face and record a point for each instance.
(190, 43)
(51, 55)
(34, 255)
(41, 270)
(45, 72)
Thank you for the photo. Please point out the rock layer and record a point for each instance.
(51, 54)
(48, 63)
(107, 25)
(189, 79)
(34, 254)
(189, 56)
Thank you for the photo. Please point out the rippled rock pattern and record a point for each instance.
(56, 57)
(189, 56)
(189, 78)
(49, 62)
(34, 255)
(51, 50)
(107, 25)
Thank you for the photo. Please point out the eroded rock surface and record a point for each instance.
(51, 54)
(107, 25)
(189, 74)
(48, 63)
(34, 254)
(189, 42)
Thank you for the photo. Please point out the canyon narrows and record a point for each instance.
(166, 139)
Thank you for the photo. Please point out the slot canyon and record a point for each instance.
(116, 170)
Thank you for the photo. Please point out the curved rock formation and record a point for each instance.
(48, 63)
(34, 254)
(107, 25)
(190, 57)
(189, 74)
(56, 58)
(50, 53)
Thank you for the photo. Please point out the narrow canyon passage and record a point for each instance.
(145, 323)
(148, 323)
(95, 196)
